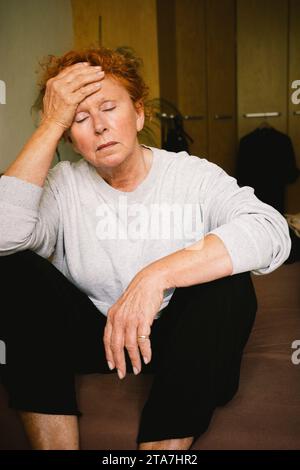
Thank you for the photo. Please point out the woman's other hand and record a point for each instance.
(67, 89)
(132, 315)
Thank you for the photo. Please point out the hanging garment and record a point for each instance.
(176, 137)
(266, 162)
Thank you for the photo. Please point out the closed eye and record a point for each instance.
(81, 120)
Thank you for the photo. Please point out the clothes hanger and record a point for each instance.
(264, 125)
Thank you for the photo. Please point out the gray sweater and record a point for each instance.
(101, 237)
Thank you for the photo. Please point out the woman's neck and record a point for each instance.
(132, 172)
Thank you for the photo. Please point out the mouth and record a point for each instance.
(109, 144)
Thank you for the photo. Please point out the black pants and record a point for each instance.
(53, 331)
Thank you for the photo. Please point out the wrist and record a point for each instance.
(52, 127)
(160, 273)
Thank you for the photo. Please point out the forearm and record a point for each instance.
(201, 262)
(33, 162)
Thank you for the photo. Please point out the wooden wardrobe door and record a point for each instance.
(293, 196)
(262, 60)
(221, 82)
(191, 70)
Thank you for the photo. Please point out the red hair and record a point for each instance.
(121, 64)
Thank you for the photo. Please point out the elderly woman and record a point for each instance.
(152, 254)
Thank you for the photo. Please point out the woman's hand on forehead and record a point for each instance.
(67, 90)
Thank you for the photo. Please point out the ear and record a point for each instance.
(140, 116)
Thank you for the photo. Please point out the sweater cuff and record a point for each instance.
(20, 193)
(242, 248)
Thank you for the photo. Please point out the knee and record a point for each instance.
(240, 282)
(21, 270)
(244, 284)
(17, 259)
(230, 290)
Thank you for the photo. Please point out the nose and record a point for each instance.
(99, 129)
(99, 126)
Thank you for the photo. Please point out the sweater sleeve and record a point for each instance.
(29, 217)
(255, 234)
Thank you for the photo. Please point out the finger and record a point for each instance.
(76, 81)
(74, 78)
(75, 97)
(117, 346)
(107, 341)
(85, 91)
(144, 343)
(69, 68)
(83, 77)
(132, 348)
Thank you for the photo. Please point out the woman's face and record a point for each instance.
(107, 116)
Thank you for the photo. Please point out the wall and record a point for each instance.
(28, 30)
